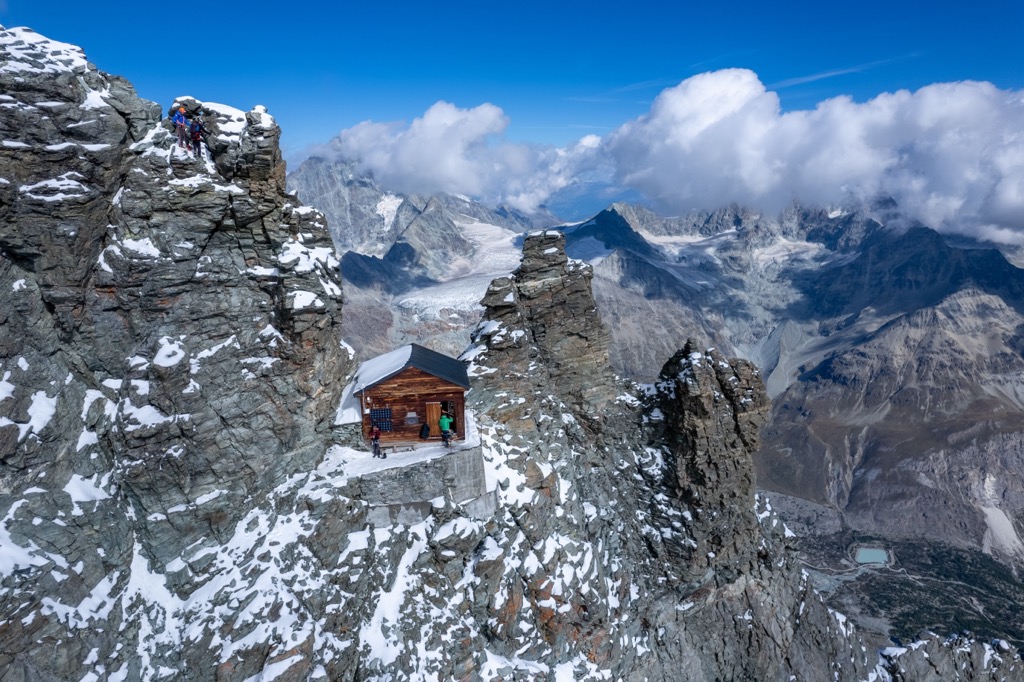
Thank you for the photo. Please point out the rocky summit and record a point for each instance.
(169, 355)
(172, 506)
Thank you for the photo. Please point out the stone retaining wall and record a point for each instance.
(405, 494)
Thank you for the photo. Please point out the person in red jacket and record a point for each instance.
(375, 441)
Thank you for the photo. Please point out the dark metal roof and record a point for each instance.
(440, 365)
(431, 362)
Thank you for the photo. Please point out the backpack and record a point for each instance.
(197, 131)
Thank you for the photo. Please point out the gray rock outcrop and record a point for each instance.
(553, 296)
(170, 354)
(713, 590)
(714, 410)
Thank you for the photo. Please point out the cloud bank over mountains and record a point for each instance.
(460, 151)
(952, 154)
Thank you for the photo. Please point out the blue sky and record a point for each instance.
(558, 70)
(686, 105)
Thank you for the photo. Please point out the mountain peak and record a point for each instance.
(29, 53)
(545, 312)
(170, 352)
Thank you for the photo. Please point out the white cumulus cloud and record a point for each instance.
(952, 154)
(460, 151)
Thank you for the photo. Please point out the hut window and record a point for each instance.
(382, 417)
(411, 418)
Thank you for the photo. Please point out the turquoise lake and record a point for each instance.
(872, 555)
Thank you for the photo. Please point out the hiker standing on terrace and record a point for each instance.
(375, 441)
(445, 422)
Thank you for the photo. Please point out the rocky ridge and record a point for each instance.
(893, 358)
(701, 571)
(665, 481)
(169, 356)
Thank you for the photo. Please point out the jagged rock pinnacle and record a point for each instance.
(546, 313)
(714, 410)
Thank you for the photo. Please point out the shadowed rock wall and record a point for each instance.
(170, 349)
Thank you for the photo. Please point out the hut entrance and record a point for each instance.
(433, 415)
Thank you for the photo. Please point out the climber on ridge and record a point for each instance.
(197, 129)
(181, 126)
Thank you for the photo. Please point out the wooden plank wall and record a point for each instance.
(410, 391)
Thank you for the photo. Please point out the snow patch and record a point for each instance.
(56, 189)
(94, 100)
(169, 354)
(6, 387)
(82, 489)
(194, 363)
(303, 259)
(305, 299)
(40, 412)
(1001, 534)
(13, 555)
(387, 208)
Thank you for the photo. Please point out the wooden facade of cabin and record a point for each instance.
(402, 403)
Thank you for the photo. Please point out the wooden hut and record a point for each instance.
(411, 386)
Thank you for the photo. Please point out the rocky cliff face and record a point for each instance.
(170, 354)
(681, 580)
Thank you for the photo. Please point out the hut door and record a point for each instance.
(433, 414)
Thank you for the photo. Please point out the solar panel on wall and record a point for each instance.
(382, 417)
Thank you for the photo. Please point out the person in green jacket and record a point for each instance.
(445, 422)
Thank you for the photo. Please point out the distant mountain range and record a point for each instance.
(415, 268)
(894, 356)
